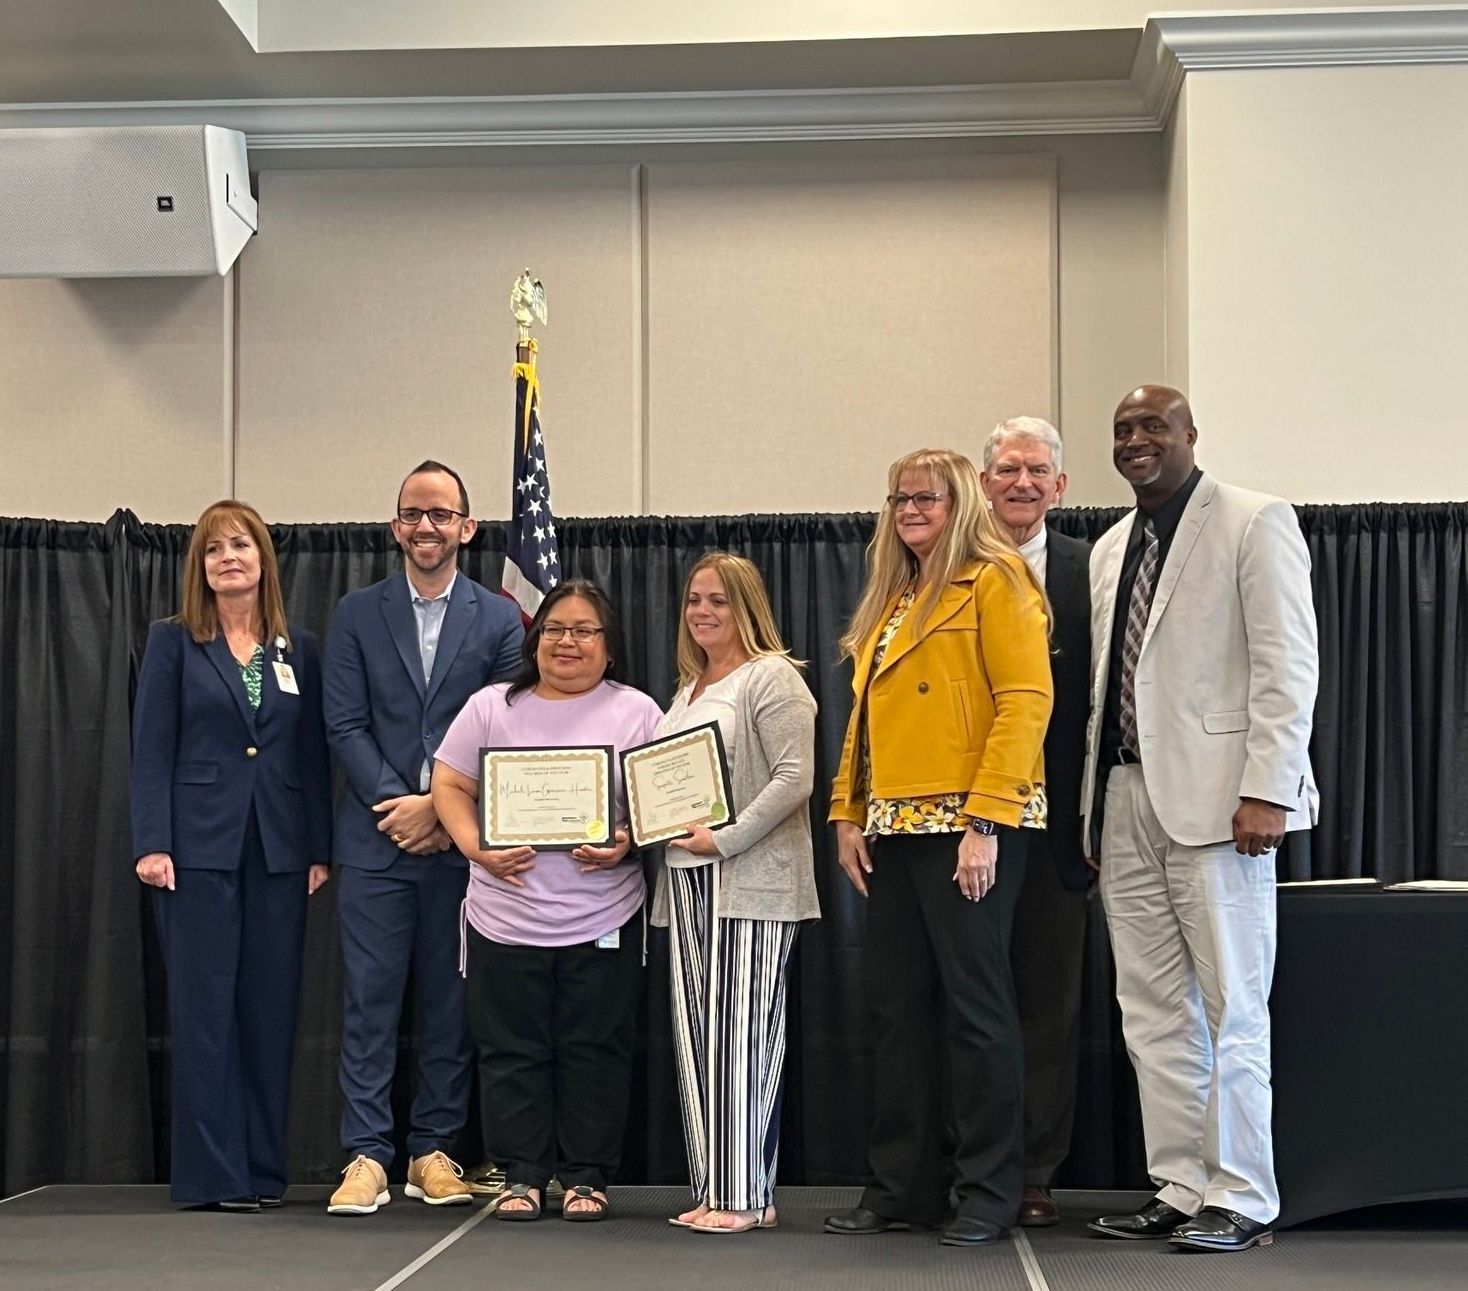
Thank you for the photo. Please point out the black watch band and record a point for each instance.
(985, 827)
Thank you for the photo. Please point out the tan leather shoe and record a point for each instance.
(363, 1189)
(438, 1181)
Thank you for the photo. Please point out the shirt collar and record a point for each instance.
(1165, 519)
(1034, 546)
(415, 595)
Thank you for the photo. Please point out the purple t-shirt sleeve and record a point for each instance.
(469, 732)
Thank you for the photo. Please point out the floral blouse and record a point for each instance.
(253, 675)
(938, 813)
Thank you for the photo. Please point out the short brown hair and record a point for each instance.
(198, 614)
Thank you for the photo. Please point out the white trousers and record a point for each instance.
(1193, 936)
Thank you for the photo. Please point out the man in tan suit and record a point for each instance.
(1205, 669)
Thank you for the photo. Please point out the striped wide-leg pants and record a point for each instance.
(728, 994)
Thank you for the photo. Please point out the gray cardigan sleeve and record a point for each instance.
(781, 721)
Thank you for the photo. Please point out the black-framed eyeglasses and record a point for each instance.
(922, 501)
(581, 634)
(437, 516)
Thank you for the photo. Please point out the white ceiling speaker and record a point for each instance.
(123, 202)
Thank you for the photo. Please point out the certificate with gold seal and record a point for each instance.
(677, 781)
(556, 798)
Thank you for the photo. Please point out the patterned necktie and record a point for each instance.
(1136, 629)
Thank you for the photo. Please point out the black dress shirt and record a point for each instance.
(1165, 520)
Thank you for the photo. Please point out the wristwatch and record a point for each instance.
(985, 827)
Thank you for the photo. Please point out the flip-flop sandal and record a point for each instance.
(517, 1192)
(585, 1214)
(756, 1219)
(682, 1223)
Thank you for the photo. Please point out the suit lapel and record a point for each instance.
(456, 620)
(954, 597)
(224, 663)
(1194, 517)
(397, 610)
(1110, 568)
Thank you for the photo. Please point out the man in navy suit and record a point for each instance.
(402, 658)
(1023, 477)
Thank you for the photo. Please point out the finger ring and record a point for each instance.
(397, 838)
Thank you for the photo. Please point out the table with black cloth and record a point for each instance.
(1370, 1015)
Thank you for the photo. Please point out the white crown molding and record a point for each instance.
(1082, 107)
(1172, 46)
(1176, 45)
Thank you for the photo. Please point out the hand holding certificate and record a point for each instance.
(546, 798)
(677, 782)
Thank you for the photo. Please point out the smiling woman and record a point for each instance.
(231, 800)
(553, 943)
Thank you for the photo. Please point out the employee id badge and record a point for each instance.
(285, 678)
(610, 941)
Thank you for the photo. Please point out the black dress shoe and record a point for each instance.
(1037, 1209)
(231, 1206)
(966, 1230)
(267, 1202)
(1216, 1229)
(860, 1220)
(1155, 1219)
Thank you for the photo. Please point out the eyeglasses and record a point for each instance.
(922, 501)
(579, 634)
(437, 516)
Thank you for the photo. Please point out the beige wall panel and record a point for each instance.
(1328, 271)
(809, 321)
(375, 331)
(113, 394)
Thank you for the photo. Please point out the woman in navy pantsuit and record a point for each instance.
(231, 811)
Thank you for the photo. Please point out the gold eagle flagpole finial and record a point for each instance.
(527, 304)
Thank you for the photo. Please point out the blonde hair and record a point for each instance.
(199, 614)
(970, 537)
(749, 603)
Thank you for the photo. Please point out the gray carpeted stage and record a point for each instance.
(130, 1238)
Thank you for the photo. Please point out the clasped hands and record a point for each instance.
(412, 823)
(508, 863)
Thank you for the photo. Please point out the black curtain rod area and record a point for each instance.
(83, 1094)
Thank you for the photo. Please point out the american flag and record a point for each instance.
(532, 561)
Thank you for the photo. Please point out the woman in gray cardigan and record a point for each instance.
(734, 898)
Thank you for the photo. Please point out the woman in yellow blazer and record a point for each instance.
(941, 773)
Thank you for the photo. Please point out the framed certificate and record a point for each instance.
(677, 781)
(545, 797)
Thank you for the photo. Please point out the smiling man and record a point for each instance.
(402, 658)
(1023, 477)
(1205, 670)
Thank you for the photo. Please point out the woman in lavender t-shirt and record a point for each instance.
(553, 939)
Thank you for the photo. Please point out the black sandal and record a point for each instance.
(517, 1192)
(584, 1214)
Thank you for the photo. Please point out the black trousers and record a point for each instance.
(946, 1034)
(555, 1029)
(1046, 952)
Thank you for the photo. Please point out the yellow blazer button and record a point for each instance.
(922, 688)
(1022, 788)
(251, 751)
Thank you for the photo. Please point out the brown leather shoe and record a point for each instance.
(437, 1180)
(1037, 1209)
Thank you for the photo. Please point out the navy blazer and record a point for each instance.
(1068, 585)
(382, 718)
(202, 757)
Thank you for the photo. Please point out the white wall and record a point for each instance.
(1327, 279)
(371, 329)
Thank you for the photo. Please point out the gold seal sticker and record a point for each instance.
(596, 828)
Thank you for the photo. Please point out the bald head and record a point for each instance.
(1152, 437)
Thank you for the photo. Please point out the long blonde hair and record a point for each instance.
(199, 614)
(970, 537)
(749, 603)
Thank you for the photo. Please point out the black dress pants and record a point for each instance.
(1047, 951)
(555, 1027)
(947, 1049)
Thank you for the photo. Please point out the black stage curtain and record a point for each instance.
(83, 1036)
